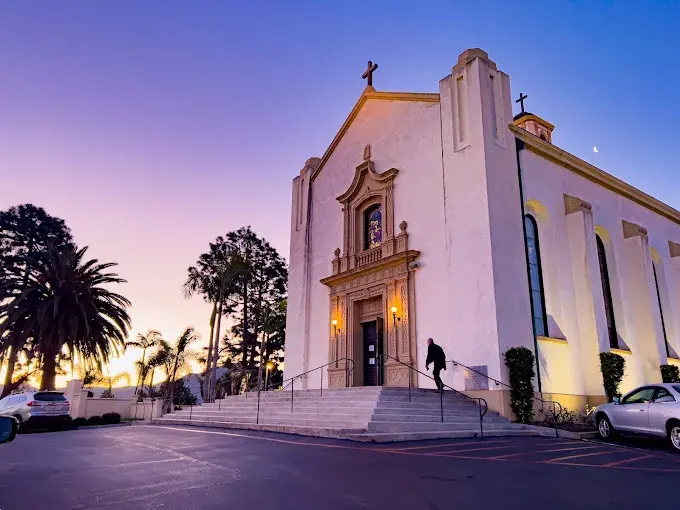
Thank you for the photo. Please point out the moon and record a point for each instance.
(595, 149)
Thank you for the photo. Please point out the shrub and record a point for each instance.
(95, 420)
(111, 418)
(520, 363)
(612, 366)
(79, 422)
(107, 393)
(670, 373)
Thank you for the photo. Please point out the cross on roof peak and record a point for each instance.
(521, 99)
(368, 74)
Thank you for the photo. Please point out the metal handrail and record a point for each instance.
(291, 383)
(441, 393)
(554, 403)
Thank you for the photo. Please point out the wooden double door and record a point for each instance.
(373, 350)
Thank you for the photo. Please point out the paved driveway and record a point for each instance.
(145, 467)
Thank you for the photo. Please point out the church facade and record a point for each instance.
(440, 215)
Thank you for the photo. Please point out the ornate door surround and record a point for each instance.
(383, 274)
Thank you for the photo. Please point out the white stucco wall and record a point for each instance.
(403, 135)
(566, 368)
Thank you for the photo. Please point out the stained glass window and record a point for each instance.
(372, 227)
(607, 293)
(535, 277)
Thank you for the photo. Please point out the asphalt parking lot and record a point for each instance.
(153, 467)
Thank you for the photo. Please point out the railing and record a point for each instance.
(243, 374)
(291, 382)
(441, 392)
(368, 256)
(555, 405)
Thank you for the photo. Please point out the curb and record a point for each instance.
(108, 426)
(565, 434)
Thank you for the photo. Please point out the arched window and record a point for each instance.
(663, 322)
(372, 227)
(535, 277)
(607, 293)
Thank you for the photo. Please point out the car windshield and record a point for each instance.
(677, 388)
(49, 397)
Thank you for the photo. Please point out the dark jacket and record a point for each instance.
(435, 354)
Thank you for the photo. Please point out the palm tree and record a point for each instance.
(204, 280)
(144, 341)
(157, 360)
(66, 305)
(110, 380)
(181, 355)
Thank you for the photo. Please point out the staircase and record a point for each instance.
(361, 414)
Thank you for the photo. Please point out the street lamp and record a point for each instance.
(394, 324)
(334, 322)
(269, 366)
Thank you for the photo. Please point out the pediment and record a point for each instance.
(363, 176)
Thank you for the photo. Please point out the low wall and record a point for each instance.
(83, 406)
(499, 401)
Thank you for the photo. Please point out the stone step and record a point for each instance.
(286, 429)
(432, 418)
(344, 414)
(432, 426)
(391, 437)
(294, 421)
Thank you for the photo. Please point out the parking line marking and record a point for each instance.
(626, 461)
(544, 451)
(445, 445)
(472, 450)
(559, 459)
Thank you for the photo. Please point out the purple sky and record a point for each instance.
(152, 127)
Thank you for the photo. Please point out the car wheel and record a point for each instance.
(19, 428)
(604, 427)
(674, 435)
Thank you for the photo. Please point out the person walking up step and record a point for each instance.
(435, 354)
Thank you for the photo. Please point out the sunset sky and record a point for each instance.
(152, 127)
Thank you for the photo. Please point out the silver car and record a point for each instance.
(653, 410)
(37, 409)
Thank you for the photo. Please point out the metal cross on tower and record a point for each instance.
(521, 99)
(368, 74)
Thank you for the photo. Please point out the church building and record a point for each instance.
(439, 215)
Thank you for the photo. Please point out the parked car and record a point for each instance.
(37, 409)
(651, 410)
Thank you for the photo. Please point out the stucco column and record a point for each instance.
(642, 309)
(590, 314)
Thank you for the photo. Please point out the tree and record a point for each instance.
(110, 380)
(66, 307)
(158, 359)
(26, 232)
(258, 296)
(145, 341)
(180, 355)
(204, 279)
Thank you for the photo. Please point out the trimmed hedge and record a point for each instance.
(612, 366)
(520, 363)
(111, 418)
(670, 373)
(79, 422)
(95, 420)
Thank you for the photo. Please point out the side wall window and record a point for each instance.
(663, 322)
(607, 293)
(535, 277)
